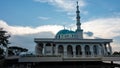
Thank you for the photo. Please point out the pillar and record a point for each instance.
(110, 49)
(83, 50)
(44, 49)
(104, 51)
(74, 50)
(56, 49)
(52, 48)
(91, 50)
(99, 50)
(65, 50)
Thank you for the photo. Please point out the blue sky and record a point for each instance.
(26, 19)
(27, 12)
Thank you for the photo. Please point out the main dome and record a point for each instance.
(65, 31)
(63, 34)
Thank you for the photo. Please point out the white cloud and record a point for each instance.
(22, 30)
(102, 28)
(43, 18)
(66, 5)
(116, 14)
(69, 6)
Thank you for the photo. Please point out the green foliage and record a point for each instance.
(17, 50)
(4, 38)
(3, 41)
(10, 53)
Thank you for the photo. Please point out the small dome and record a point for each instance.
(65, 32)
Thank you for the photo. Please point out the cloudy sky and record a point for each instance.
(28, 19)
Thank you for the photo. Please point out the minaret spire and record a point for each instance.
(78, 24)
(79, 31)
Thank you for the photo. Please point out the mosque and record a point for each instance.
(68, 50)
(68, 43)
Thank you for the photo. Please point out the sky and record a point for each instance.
(28, 19)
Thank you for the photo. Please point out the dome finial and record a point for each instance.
(77, 3)
(64, 27)
(70, 29)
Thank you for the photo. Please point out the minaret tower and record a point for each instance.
(79, 31)
(78, 18)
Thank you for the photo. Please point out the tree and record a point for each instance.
(4, 39)
(17, 50)
(116, 53)
(10, 53)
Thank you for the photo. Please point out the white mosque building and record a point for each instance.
(67, 50)
(68, 43)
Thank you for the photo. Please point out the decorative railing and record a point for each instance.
(28, 55)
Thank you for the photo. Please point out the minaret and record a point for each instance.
(79, 31)
(78, 18)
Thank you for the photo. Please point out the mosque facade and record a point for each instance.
(68, 43)
(68, 49)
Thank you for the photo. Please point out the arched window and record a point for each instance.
(95, 49)
(58, 36)
(78, 50)
(87, 50)
(60, 50)
(69, 51)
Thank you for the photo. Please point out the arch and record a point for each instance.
(87, 50)
(95, 50)
(78, 50)
(48, 44)
(40, 48)
(69, 51)
(60, 50)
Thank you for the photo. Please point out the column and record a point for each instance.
(104, 52)
(83, 50)
(65, 50)
(91, 50)
(106, 49)
(44, 49)
(56, 49)
(110, 49)
(99, 50)
(36, 50)
(51, 48)
(74, 50)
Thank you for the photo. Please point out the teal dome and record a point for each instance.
(65, 32)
